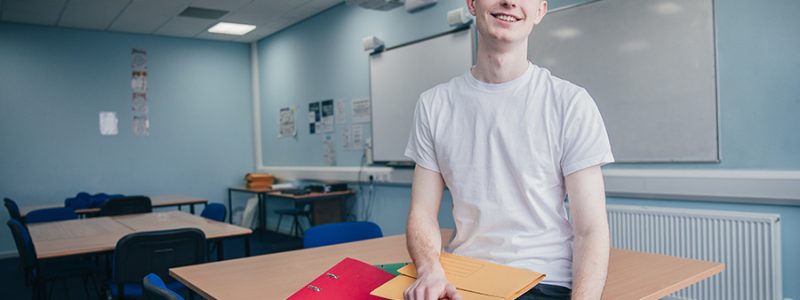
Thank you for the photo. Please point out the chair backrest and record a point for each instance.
(25, 249)
(336, 233)
(50, 215)
(126, 206)
(141, 253)
(155, 289)
(214, 211)
(13, 209)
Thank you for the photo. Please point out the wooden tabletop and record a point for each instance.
(179, 219)
(156, 201)
(632, 275)
(310, 195)
(92, 235)
(64, 238)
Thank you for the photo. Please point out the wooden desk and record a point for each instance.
(73, 237)
(632, 275)
(261, 194)
(177, 219)
(93, 235)
(327, 207)
(156, 201)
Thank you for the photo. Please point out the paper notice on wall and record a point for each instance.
(313, 117)
(141, 117)
(357, 137)
(286, 125)
(329, 150)
(361, 111)
(141, 125)
(340, 116)
(353, 138)
(327, 116)
(108, 123)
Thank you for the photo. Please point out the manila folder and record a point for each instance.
(475, 279)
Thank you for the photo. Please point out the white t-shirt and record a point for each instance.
(503, 151)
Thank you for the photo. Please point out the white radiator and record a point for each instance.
(747, 243)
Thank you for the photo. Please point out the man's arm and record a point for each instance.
(587, 203)
(424, 239)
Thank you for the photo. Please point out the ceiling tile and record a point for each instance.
(216, 36)
(261, 12)
(43, 12)
(146, 16)
(185, 26)
(91, 14)
(229, 5)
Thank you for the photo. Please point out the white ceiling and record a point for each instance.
(160, 17)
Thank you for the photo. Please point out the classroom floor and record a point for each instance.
(13, 281)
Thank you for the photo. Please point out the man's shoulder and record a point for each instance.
(441, 91)
(563, 88)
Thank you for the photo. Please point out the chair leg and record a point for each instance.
(280, 218)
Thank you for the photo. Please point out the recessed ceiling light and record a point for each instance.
(231, 28)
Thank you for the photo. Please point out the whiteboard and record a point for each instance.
(649, 65)
(399, 75)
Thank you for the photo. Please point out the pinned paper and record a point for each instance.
(286, 122)
(108, 123)
(361, 111)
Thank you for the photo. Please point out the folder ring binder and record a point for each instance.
(331, 275)
(313, 288)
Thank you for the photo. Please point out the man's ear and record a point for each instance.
(540, 12)
(471, 6)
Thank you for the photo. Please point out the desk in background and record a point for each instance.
(326, 207)
(631, 275)
(156, 201)
(95, 235)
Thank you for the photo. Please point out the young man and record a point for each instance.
(510, 141)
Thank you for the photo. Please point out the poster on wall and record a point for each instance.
(329, 150)
(327, 116)
(141, 118)
(353, 137)
(108, 123)
(313, 117)
(361, 111)
(286, 126)
(340, 116)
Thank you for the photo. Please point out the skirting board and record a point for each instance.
(740, 186)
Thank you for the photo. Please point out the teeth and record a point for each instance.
(506, 18)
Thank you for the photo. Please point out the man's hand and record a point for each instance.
(431, 286)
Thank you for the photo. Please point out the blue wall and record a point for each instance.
(53, 84)
(758, 67)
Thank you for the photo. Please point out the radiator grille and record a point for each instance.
(747, 243)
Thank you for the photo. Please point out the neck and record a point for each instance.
(498, 62)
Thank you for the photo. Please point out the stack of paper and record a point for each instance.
(475, 279)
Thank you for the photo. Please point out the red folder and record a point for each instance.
(350, 279)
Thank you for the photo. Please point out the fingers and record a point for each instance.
(431, 291)
(451, 293)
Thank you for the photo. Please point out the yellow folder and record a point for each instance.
(474, 279)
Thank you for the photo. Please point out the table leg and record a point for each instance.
(180, 207)
(230, 208)
(247, 246)
(191, 208)
(262, 214)
(220, 251)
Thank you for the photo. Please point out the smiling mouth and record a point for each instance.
(505, 17)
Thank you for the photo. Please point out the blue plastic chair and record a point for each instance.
(155, 289)
(141, 253)
(13, 209)
(39, 277)
(50, 215)
(214, 211)
(336, 233)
